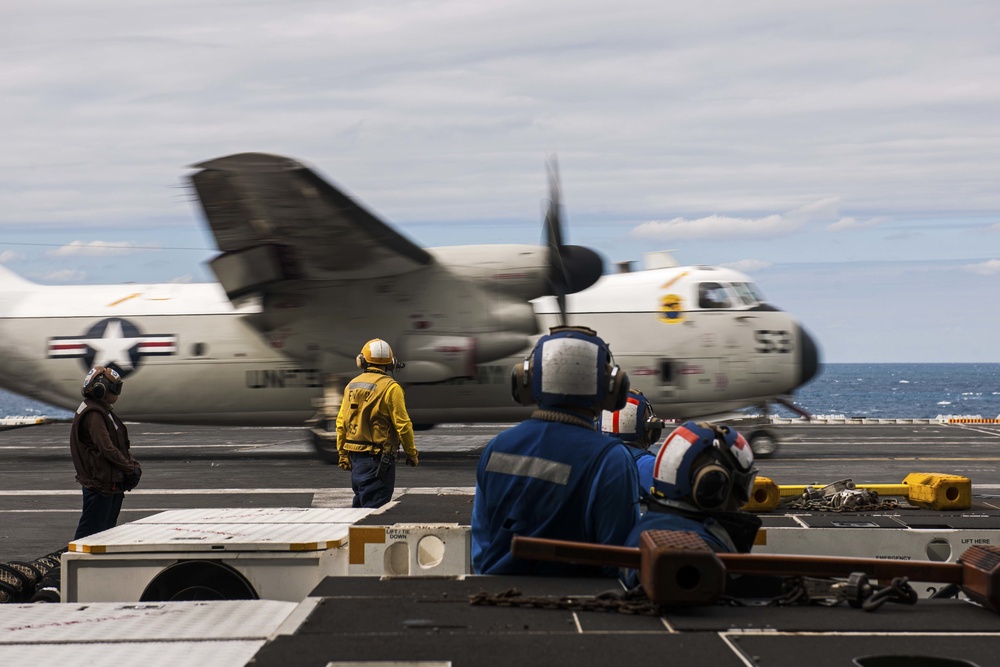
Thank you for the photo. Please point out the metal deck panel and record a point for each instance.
(145, 621)
(161, 538)
(840, 650)
(259, 515)
(397, 619)
(148, 654)
(500, 649)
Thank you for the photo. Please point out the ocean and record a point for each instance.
(887, 391)
(902, 391)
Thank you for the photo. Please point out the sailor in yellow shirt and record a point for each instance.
(371, 426)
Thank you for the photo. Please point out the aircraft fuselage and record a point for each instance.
(190, 357)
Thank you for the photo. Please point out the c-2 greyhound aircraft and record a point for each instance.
(307, 275)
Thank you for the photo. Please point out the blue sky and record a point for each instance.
(844, 154)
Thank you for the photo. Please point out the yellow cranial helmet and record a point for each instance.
(376, 351)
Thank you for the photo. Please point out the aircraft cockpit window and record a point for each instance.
(748, 293)
(713, 295)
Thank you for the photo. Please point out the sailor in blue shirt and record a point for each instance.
(702, 475)
(555, 475)
(639, 428)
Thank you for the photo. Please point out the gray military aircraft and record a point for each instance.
(307, 275)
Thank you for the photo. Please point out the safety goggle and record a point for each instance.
(654, 429)
(115, 388)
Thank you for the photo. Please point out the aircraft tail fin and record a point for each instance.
(10, 279)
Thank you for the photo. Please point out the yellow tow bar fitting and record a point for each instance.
(936, 491)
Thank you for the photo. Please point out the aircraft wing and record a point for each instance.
(276, 220)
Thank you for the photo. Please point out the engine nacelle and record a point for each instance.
(436, 358)
(520, 271)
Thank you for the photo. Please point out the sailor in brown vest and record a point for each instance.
(371, 426)
(99, 444)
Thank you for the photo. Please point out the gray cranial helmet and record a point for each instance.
(570, 367)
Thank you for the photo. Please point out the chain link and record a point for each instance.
(633, 602)
(840, 496)
(796, 591)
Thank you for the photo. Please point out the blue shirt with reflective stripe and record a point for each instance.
(552, 480)
(644, 461)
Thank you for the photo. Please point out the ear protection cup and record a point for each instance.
(520, 382)
(710, 487)
(99, 389)
(618, 386)
(360, 361)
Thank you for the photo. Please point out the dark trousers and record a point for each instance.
(369, 490)
(99, 512)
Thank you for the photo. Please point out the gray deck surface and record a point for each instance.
(430, 619)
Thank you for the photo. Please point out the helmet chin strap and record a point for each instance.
(563, 417)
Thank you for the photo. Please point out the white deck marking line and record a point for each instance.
(334, 498)
(416, 490)
(966, 427)
(168, 492)
(76, 510)
(767, 632)
(888, 458)
(737, 651)
(139, 446)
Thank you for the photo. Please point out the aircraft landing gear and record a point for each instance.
(324, 441)
(763, 443)
(323, 425)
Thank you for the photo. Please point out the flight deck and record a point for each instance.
(210, 480)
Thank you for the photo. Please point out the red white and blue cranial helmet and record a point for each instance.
(682, 473)
(636, 423)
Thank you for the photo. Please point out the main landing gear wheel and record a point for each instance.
(763, 443)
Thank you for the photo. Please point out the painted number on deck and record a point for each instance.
(779, 342)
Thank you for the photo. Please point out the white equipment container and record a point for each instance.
(409, 549)
(269, 553)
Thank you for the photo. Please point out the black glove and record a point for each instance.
(132, 479)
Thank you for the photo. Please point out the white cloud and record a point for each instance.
(10, 256)
(714, 225)
(749, 265)
(438, 115)
(988, 268)
(93, 249)
(848, 224)
(727, 227)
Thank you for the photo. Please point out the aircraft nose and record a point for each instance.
(808, 357)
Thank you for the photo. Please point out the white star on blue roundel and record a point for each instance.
(113, 342)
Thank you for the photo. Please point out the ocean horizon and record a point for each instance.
(878, 391)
